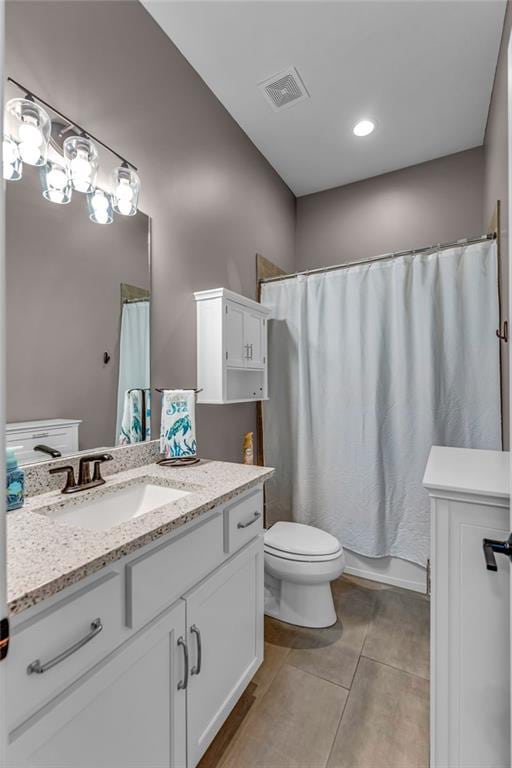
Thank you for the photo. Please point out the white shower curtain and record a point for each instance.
(133, 353)
(370, 366)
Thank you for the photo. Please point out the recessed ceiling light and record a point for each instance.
(364, 128)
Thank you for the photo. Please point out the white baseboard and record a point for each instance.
(387, 570)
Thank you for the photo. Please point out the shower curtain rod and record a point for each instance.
(383, 257)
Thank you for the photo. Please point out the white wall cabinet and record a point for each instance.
(470, 713)
(231, 348)
(152, 691)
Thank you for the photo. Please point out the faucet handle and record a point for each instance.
(70, 478)
(97, 462)
(84, 475)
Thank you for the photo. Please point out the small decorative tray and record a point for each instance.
(179, 461)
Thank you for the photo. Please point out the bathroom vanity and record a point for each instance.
(470, 681)
(131, 644)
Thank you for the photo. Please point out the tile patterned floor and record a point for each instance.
(355, 695)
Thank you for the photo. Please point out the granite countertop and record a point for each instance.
(45, 556)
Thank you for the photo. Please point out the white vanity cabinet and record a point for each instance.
(225, 625)
(153, 687)
(470, 682)
(231, 347)
(58, 434)
(128, 712)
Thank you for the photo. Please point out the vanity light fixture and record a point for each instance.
(100, 207)
(126, 190)
(28, 133)
(28, 125)
(81, 158)
(12, 169)
(364, 128)
(56, 183)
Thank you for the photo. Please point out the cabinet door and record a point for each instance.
(234, 336)
(225, 620)
(254, 339)
(127, 713)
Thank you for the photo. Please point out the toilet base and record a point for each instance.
(305, 605)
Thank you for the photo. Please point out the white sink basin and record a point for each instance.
(117, 507)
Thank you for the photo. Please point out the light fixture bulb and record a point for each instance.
(12, 168)
(364, 128)
(99, 203)
(30, 134)
(81, 158)
(9, 151)
(55, 183)
(100, 207)
(29, 126)
(29, 153)
(57, 177)
(126, 190)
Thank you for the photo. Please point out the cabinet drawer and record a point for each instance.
(159, 577)
(24, 443)
(62, 634)
(243, 520)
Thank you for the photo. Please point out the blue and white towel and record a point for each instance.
(178, 424)
(134, 429)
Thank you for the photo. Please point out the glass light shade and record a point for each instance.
(12, 166)
(100, 207)
(29, 126)
(126, 190)
(55, 183)
(81, 158)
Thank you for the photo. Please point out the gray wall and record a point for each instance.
(432, 202)
(496, 187)
(63, 308)
(214, 200)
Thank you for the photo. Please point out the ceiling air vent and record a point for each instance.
(284, 89)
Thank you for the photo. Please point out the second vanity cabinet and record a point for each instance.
(153, 687)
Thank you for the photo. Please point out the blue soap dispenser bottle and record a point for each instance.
(15, 482)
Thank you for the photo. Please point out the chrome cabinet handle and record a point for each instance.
(183, 684)
(247, 351)
(37, 668)
(251, 350)
(256, 516)
(196, 670)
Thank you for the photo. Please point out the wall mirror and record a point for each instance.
(78, 324)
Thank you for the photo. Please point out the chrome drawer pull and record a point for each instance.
(257, 515)
(183, 684)
(196, 670)
(37, 668)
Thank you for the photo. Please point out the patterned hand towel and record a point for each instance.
(136, 423)
(178, 424)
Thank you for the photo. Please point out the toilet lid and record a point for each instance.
(301, 539)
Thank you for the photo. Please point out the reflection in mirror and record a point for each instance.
(78, 309)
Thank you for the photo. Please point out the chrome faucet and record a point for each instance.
(84, 473)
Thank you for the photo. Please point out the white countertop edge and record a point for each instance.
(468, 472)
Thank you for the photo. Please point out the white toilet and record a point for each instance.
(300, 563)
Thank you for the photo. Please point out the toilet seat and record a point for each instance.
(301, 558)
(301, 543)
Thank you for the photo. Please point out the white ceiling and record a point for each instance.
(422, 71)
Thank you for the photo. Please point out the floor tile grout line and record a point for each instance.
(397, 669)
(342, 714)
(312, 674)
(319, 677)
